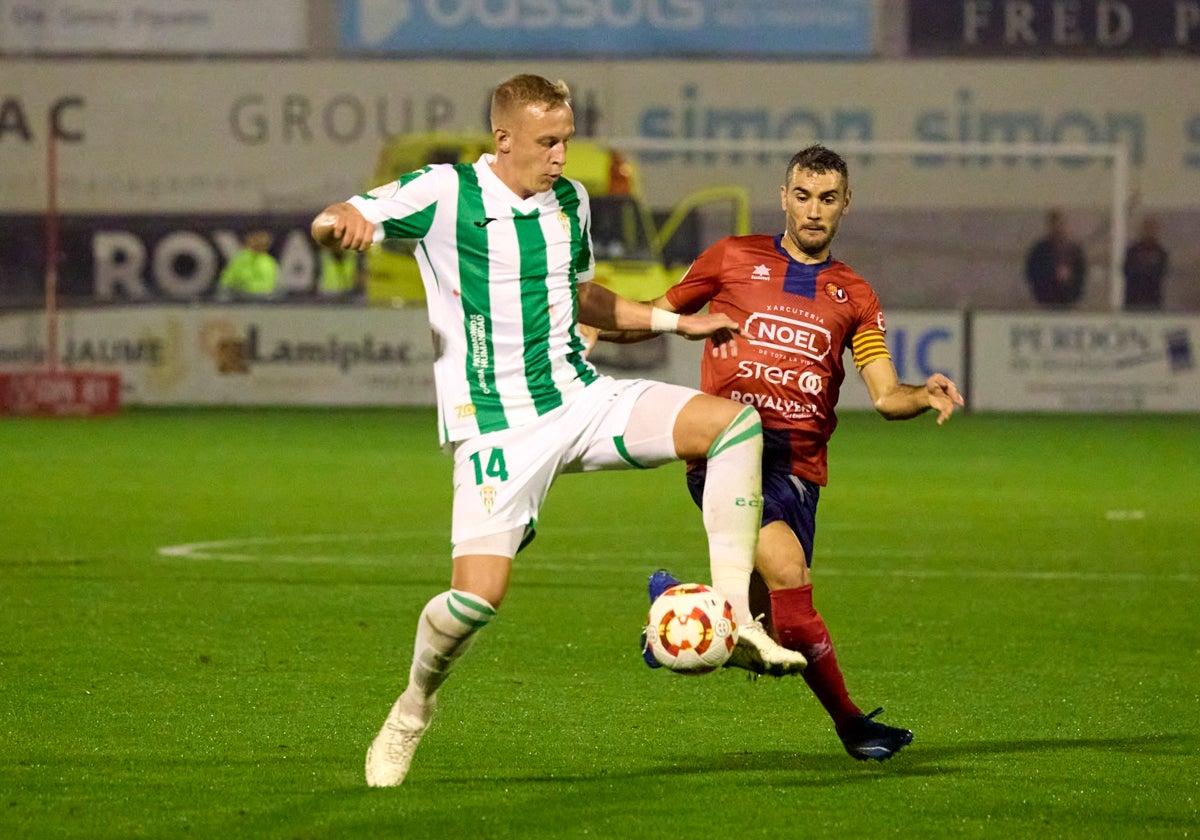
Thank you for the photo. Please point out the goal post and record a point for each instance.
(1112, 200)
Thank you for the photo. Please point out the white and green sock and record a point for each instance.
(732, 506)
(444, 632)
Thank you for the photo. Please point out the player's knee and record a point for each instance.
(722, 414)
(741, 422)
(707, 422)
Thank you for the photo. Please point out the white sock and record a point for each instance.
(732, 507)
(444, 633)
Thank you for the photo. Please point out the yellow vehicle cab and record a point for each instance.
(628, 247)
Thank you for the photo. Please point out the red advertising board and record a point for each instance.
(59, 393)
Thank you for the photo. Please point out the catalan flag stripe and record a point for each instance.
(867, 347)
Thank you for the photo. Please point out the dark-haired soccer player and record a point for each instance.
(798, 309)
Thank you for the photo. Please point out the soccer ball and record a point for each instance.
(690, 629)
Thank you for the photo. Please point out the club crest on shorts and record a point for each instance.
(487, 494)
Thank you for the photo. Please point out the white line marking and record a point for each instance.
(1124, 515)
(586, 562)
(228, 549)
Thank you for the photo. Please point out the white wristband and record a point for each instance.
(663, 321)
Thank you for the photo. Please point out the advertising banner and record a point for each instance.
(602, 28)
(240, 355)
(313, 355)
(1044, 362)
(1050, 28)
(289, 136)
(91, 27)
(144, 258)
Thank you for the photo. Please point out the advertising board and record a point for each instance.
(1047, 362)
(240, 355)
(90, 27)
(603, 28)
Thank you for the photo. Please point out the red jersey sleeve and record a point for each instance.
(701, 282)
(867, 340)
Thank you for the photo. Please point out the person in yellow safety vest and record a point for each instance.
(253, 274)
(338, 279)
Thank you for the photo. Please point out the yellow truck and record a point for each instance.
(628, 245)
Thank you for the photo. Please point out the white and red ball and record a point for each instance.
(690, 629)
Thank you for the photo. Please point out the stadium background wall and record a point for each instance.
(164, 162)
(281, 139)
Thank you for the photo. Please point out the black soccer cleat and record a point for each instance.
(865, 738)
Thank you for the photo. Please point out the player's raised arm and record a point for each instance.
(342, 224)
(895, 400)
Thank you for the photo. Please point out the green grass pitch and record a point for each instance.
(205, 615)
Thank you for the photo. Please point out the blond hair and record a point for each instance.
(527, 89)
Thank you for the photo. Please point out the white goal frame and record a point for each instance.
(1116, 154)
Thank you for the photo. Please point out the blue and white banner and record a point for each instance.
(1072, 362)
(595, 28)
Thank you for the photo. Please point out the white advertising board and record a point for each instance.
(251, 136)
(1046, 362)
(89, 27)
(240, 355)
(307, 355)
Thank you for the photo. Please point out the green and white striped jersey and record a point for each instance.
(500, 275)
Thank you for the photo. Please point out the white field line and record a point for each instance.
(234, 550)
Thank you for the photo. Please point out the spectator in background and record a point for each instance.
(338, 279)
(1055, 266)
(1145, 266)
(253, 274)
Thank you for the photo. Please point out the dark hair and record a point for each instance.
(818, 159)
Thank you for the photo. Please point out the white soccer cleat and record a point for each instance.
(391, 753)
(758, 653)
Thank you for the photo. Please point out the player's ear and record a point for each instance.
(503, 140)
(846, 206)
(783, 197)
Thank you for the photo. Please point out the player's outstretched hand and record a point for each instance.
(943, 396)
(342, 224)
(702, 326)
(723, 345)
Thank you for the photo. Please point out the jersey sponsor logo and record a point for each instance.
(879, 321)
(761, 272)
(788, 336)
(805, 381)
(480, 356)
(836, 293)
(786, 408)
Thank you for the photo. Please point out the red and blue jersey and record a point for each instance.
(797, 320)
